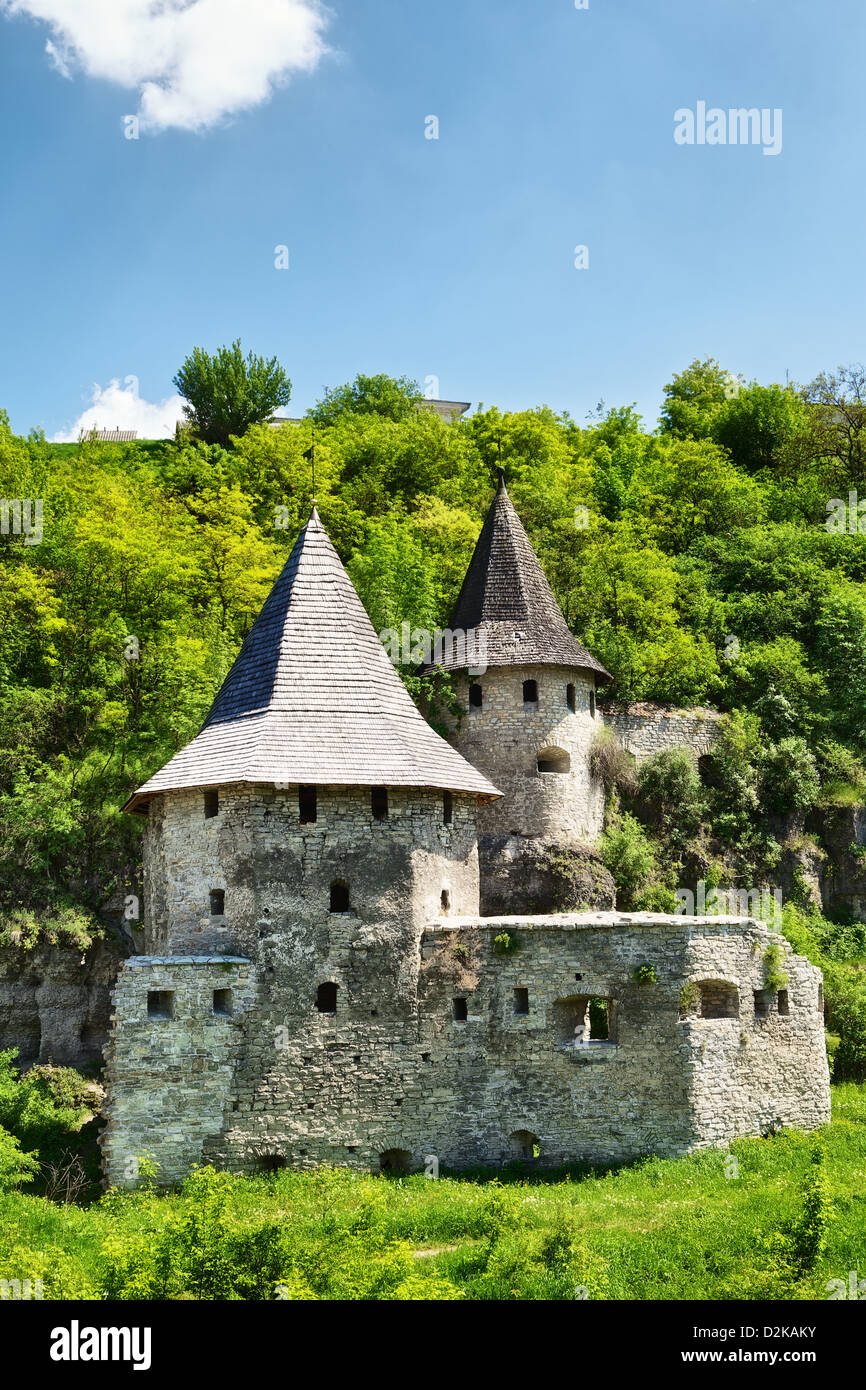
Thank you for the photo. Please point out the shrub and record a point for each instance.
(789, 777)
(671, 793)
(15, 1167)
(610, 763)
(630, 856)
(30, 1111)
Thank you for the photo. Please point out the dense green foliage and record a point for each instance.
(695, 562)
(770, 1219)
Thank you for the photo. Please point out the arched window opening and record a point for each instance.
(326, 998)
(379, 802)
(447, 808)
(476, 696)
(554, 760)
(571, 697)
(308, 808)
(530, 692)
(270, 1163)
(340, 896)
(445, 901)
(524, 1145)
(395, 1161)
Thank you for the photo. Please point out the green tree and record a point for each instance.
(694, 398)
(394, 398)
(227, 392)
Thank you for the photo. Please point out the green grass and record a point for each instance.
(658, 1229)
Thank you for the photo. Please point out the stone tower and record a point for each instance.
(530, 718)
(293, 852)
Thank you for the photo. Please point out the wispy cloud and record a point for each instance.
(193, 62)
(119, 407)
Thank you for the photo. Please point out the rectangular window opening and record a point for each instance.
(379, 802)
(217, 902)
(211, 805)
(521, 1001)
(160, 1003)
(460, 1010)
(222, 1002)
(784, 1003)
(307, 805)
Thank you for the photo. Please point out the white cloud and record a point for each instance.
(116, 407)
(194, 62)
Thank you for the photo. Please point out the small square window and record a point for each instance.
(460, 1010)
(222, 1002)
(521, 1001)
(160, 1003)
(217, 902)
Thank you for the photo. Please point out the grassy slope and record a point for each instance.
(662, 1229)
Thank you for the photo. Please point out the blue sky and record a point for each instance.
(451, 258)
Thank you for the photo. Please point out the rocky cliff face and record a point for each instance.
(843, 881)
(55, 1001)
(528, 875)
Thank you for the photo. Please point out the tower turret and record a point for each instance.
(530, 716)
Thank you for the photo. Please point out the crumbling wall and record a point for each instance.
(492, 1058)
(646, 729)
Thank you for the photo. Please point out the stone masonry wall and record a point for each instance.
(504, 737)
(276, 873)
(646, 729)
(483, 1063)
(170, 1079)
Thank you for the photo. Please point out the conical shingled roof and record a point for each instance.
(313, 698)
(507, 600)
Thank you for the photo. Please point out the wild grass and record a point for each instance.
(772, 1218)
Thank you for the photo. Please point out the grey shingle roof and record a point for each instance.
(313, 698)
(507, 600)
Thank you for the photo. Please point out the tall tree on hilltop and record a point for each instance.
(227, 392)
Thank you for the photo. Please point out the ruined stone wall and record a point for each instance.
(481, 1064)
(503, 739)
(646, 729)
(55, 1002)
